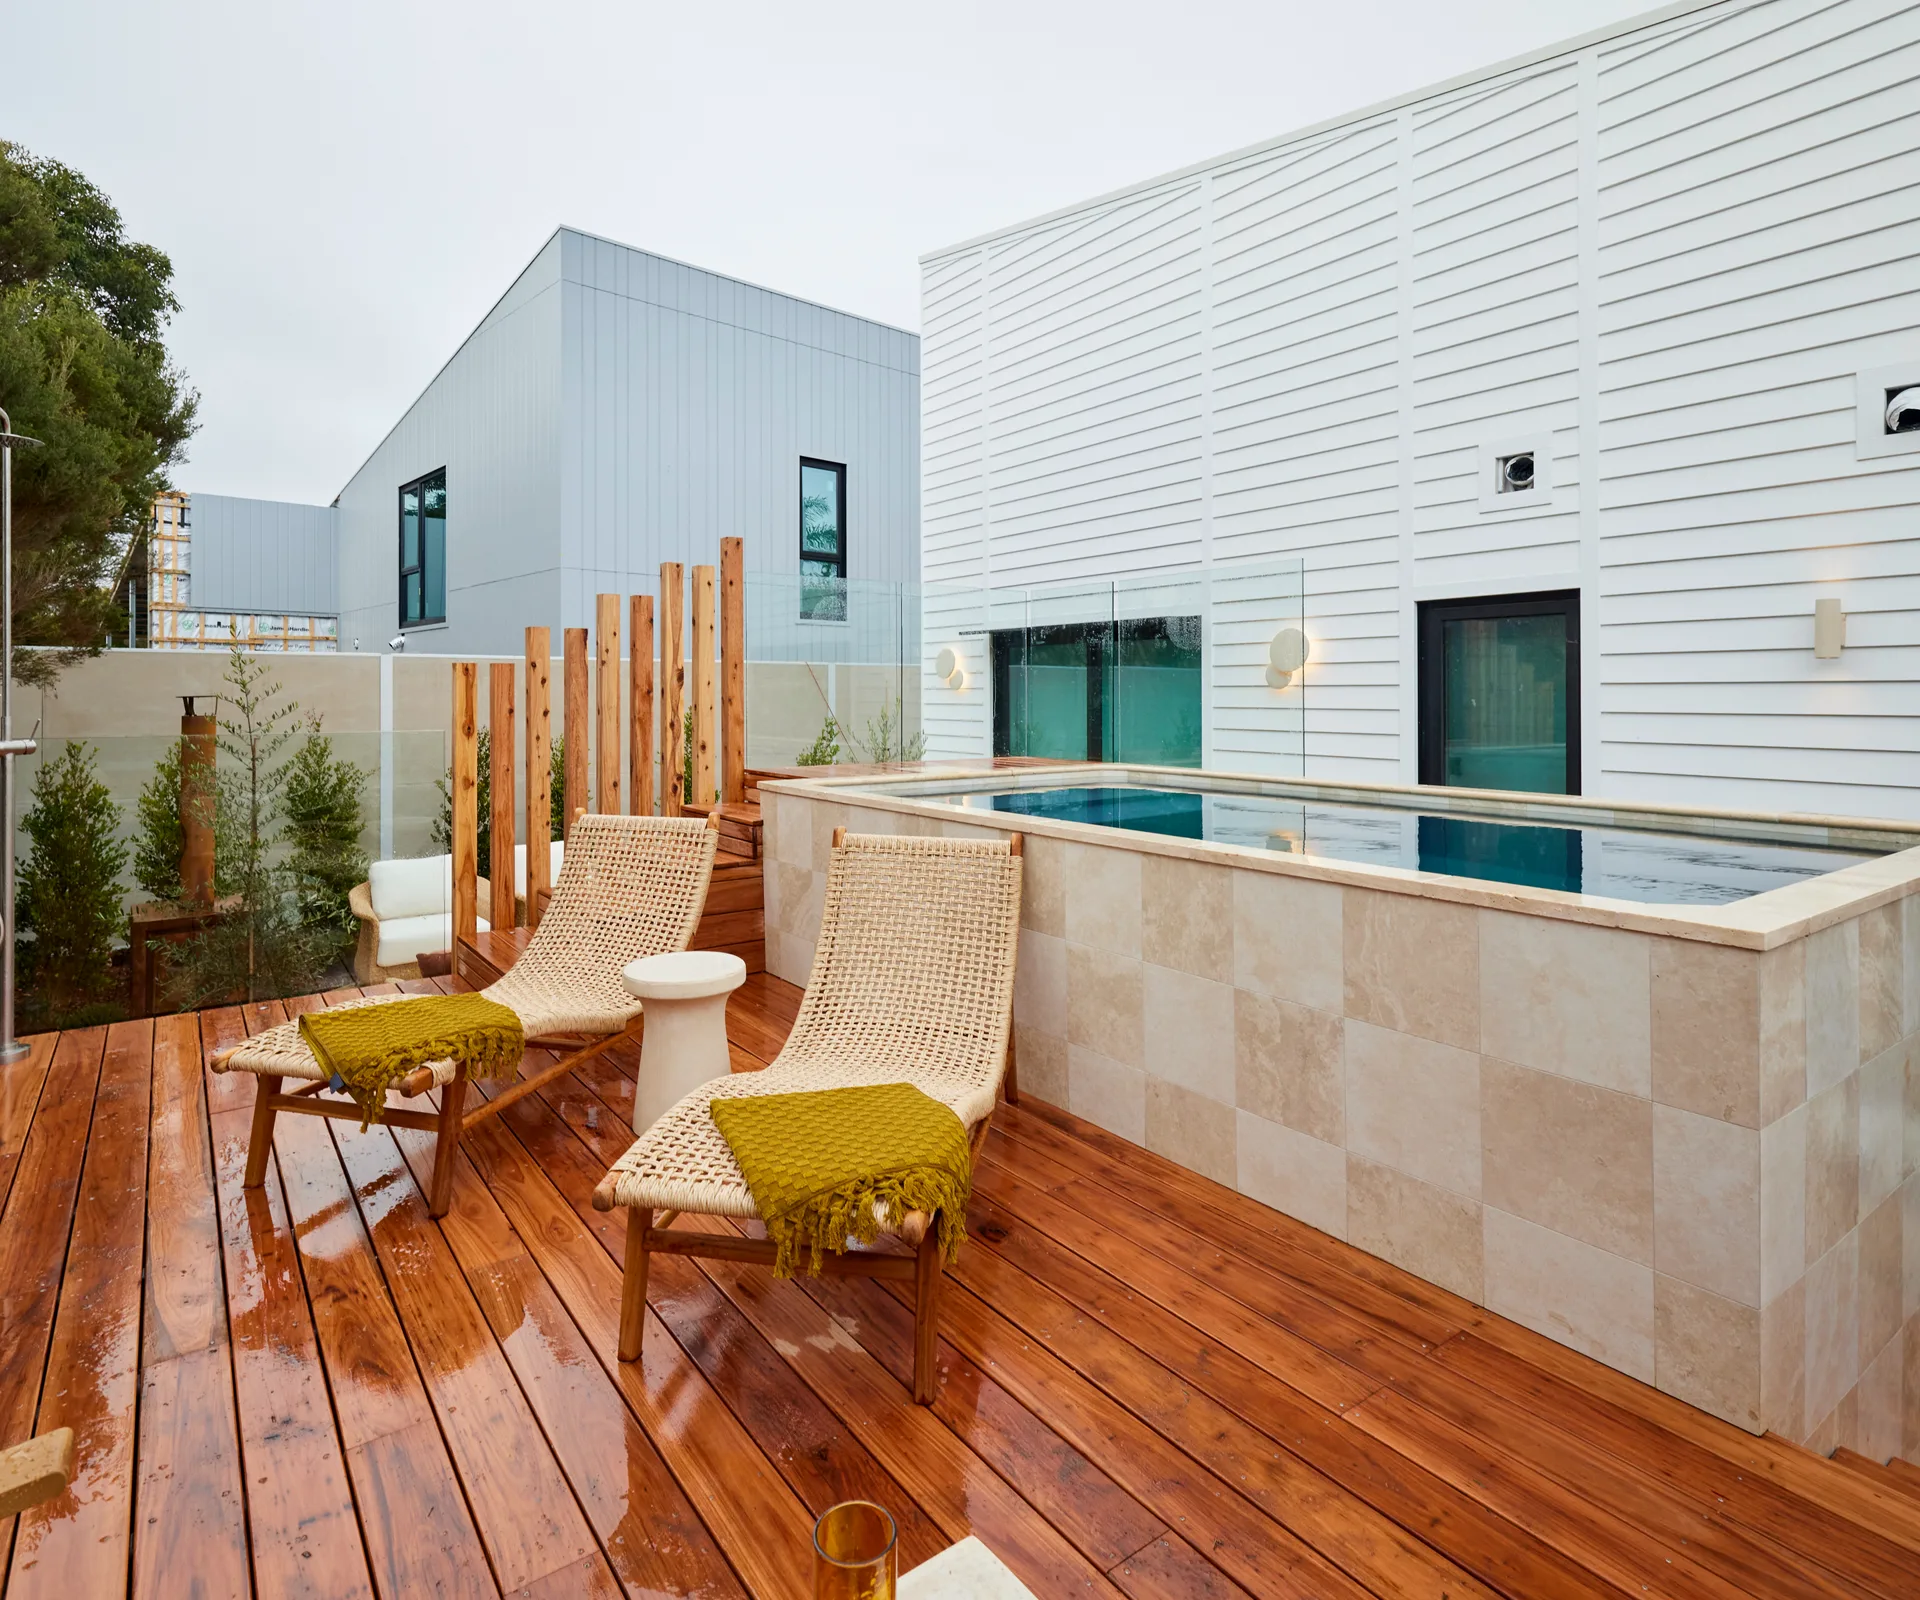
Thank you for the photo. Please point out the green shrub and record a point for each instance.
(158, 837)
(322, 836)
(69, 893)
(442, 832)
(825, 749)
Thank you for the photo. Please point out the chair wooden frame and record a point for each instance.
(925, 1268)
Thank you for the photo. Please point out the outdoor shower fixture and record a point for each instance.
(1286, 655)
(11, 1049)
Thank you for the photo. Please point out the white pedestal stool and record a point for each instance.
(684, 1041)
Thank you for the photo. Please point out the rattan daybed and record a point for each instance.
(912, 982)
(631, 887)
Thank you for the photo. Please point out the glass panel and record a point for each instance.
(433, 494)
(1156, 691)
(823, 592)
(1506, 702)
(820, 511)
(409, 528)
(410, 609)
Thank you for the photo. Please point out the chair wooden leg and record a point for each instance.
(1010, 1083)
(928, 1266)
(446, 1147)
(260, 1140)
(633, 1285)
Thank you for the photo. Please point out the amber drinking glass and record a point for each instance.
(854, 1553)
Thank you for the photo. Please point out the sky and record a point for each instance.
(345, 189)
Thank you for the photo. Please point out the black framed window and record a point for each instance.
(1500, 692)
(823, 540)
(423, 550)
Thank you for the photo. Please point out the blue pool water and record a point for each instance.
(1622, 863)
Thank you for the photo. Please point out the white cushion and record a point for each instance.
(411, 887)
(405, 939)
(556, 853)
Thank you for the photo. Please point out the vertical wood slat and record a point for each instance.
(606, 689)
(573, 725)
(466, 800)
(539, 770)
(702, 688)
(733, 672)
(672, 681)
(640, 705)
(501, 909)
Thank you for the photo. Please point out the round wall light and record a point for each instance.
(1286, 655)
(950, 669)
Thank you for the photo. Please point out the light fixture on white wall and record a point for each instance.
(1286, 655)
(1829, 629)
(950, 669)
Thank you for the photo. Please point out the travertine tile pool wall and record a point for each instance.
(1693, 1160)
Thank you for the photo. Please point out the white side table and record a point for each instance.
(684, 1041)
(964, 1571)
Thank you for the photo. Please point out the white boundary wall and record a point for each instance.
(1665, 255)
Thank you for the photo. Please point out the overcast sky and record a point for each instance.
(345, 188)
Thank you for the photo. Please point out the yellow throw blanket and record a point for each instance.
(818, 1163)
(369, 1047)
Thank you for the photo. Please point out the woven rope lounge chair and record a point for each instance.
(631, 887)
(912, 983)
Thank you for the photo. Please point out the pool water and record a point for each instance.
(1621, 863)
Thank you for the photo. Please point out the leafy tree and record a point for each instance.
(69, 892)
(84, 369)
(888, 739)
(322, 835)
(264, 949)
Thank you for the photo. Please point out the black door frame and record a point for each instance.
(1432, 667)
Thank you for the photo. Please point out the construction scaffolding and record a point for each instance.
(173, 623)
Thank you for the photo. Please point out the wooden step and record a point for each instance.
(1902, 1477)
(740, 826)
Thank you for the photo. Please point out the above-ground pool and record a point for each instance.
(1621, 863)
(1634, 1074)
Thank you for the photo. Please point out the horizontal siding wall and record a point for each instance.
(1664, 257)
(262, 556)
(689, 399)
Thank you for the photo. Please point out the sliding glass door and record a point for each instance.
(1500, 693)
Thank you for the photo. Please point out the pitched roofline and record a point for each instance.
(1647, 19)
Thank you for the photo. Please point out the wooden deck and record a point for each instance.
(1151, 1386)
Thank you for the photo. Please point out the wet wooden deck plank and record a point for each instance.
(20, 1085)
(77, 1542)
(419, 1529)
(190, 1505)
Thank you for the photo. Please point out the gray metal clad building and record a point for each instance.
(616, 410)
(613, 411)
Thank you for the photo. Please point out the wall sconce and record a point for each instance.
(1829, 630)
(950, 669)
(1286, 655)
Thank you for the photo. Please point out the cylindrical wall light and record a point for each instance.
(1829, 630)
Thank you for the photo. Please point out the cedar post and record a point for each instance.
(539, 770)
(733, 673)
(640, 705)
(574, 725)
(606, 689)
(502, 910)
(466, 800)
(672, 707)
(198, 738)
(703, 785)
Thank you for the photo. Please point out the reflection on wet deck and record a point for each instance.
(1150, 1385)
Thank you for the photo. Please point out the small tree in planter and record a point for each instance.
(69, 894)
(322, 835)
